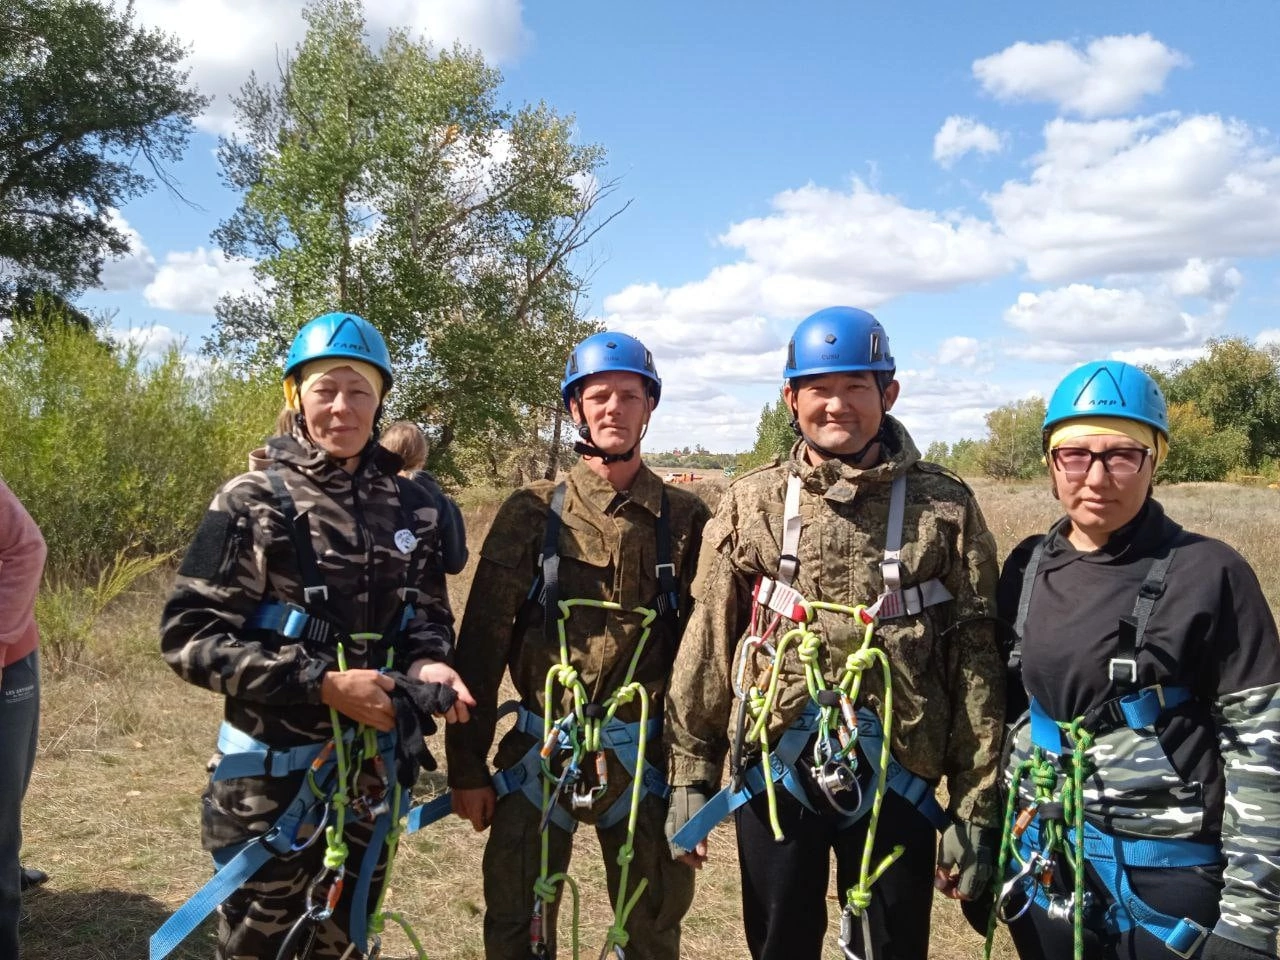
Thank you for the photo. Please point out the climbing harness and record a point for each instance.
(587, 730)
(1049, 833)
(567, 765)
(841, 731)
(345, 778)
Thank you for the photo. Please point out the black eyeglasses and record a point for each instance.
(1119, 461)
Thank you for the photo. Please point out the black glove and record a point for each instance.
(1224, 948)
(416, 706)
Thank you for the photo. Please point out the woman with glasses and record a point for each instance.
(1143, 819)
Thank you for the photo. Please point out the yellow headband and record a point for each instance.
(313, 370)
(1135, 430)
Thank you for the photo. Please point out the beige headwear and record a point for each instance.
(313, 370)
(1135, 430)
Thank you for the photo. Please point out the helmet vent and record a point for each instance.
(875, 347)
(830, 338)
(611, 345)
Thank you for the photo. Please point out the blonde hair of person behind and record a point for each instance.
(405, 438)
(285, 420)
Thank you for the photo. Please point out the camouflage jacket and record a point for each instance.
(242, 555)
(1208, 770)
(608, 545)
(947, 668)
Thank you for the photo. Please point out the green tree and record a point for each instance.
(1012, 450)
(774, 436)
(1237, 386)
(390, 183)
(1198, 448)
(85, 94)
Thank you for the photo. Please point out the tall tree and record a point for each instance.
(390, 183)
(1012, 450)
(774, 436)
(1237, 386)
(87, 97)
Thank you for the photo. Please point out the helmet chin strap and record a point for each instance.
(586, 448)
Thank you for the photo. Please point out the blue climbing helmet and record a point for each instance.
(606, 352)
(1107, 388)
(839, 340)
(340, 335)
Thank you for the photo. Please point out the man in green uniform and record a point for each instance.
(616, 535)
(853, 517)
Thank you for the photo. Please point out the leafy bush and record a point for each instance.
(109, 452)
(1198, 449)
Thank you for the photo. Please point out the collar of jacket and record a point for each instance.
(1140, 538)
(305, 457)
(646, 491)
(838, 480)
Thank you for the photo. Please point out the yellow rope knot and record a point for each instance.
(335, 855)
(624, 695)
(625, 855)
(545, 890)
(859, 898)
(618, 936)
(809, 650)
(864, 658)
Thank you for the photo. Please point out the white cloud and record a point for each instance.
(133, 270)
(1214, 280)
(1111, 75)
(1143, 195)
(1159, 356)
(960, 135)
(192, 282)
(1082, 322)
(959, 351)
(230, 38)
(1268, 338)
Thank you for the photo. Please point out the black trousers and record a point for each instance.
(784, 885)
(1190, 892)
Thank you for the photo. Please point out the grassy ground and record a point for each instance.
(112, 812)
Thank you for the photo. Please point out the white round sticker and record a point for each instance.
(406, 541)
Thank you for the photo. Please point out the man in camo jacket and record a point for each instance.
(371, 540)
(608, 550)
(947, 669)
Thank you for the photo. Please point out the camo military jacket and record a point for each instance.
(1208, 770)
(947, 668)
(242, 555)
(608, 551)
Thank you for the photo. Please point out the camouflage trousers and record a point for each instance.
(511, 864)
(254, 921)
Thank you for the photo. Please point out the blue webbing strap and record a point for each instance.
(621, 738)
(230, 877)
(914, 789)
(359, 932)
(245, 756)
(1111, 855)
(425, 814)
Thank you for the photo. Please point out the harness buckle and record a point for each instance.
(409, 594)
(1128, 665)
(309, 594)
(1187, 932)
(669, 567)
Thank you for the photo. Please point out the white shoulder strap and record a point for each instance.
(789, 561)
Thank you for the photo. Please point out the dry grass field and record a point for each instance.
(112, 812)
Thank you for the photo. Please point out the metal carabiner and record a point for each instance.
(1019, 879)
(315, 834)
(835, 777)
(749, 646)
(846, 934)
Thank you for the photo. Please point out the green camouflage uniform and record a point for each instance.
(947, 667)
(608, 549)
(242, 555)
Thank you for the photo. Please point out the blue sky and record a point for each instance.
(1012, 188)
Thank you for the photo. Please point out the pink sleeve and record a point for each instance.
(22, 554)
